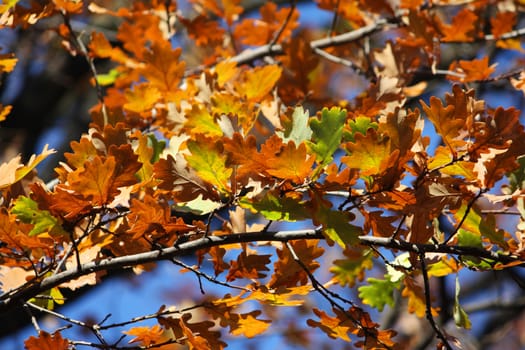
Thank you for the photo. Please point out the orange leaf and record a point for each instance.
(46, 341)
(146, 335)
(69, 6)
(7, 62)
(247, 325)
(204, 31)
(83, 151)
(151, 218)
(226, 70)
(163, 69)
(475, 70)
(14, 171)
(416, 298)
(291, 163)
(370, 153)
(4, 111)
(502, 23)
(335, 327)
(258, 82)
(142, 98)
(261, 31)
(101, 47)
(462, 27)
(445, 121)
(100, 178)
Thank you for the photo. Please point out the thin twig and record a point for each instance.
(277, 35)
(206, 276)
(467, 211)
(33, 318)
(428, 305)
(82, 48)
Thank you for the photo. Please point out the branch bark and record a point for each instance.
(35, 287)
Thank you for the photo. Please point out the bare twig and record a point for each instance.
(428, 305)
(82, 48)
(277, 35)
(201, 274)
(251, 55)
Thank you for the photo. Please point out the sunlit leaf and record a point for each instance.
(210, 164)
(378, 293)
(46, 341)
(27, 210)
(460, 316)
(327, 131)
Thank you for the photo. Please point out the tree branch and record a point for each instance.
(251, 55)
(34, 287)
(9, 300)
(439, 248)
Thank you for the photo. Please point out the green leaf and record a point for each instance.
(486, 227)
(277, 208)
(157, 146)
(108, 78)
(210, 164)
(198, 206)
(27, 211)
(517, 177)
(378, 293)
(327, 134)
(361, 124)
(395, 274)
(347, 271)
(469, 239)
(336, 226)
(298, 130)
(460, 316)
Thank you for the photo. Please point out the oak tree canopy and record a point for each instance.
(349, 176)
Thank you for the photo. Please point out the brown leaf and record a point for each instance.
(287, 272)
(248, 266)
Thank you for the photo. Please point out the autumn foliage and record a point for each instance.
(278, 160)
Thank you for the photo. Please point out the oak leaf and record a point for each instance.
(290, 163)
(327, 131)
(142, 98)
(248, 266)
(287, 272)
(13, 171)
(147, 336)
(447, 124)
(462, 27)
(247, 325)
(474, 70)
(208, 160)
(261, 31)
(258, 82)
(337, 327)
(46, 341)
(370, 154)
(351, 269)
(502, 23)
(7, 62)
(203, 30)
(163, 69)
(416, 298)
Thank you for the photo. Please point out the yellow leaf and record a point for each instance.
(210, 164)
(369, 153)
(249, 326)
(142, 98)
(259, 82)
